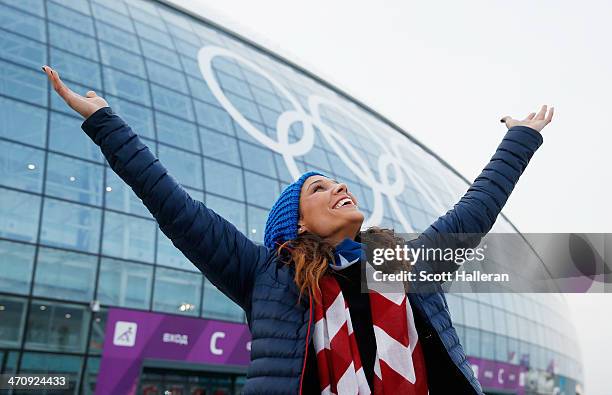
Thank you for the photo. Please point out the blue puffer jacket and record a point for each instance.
(251, 275)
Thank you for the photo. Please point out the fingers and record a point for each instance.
(49, 71)
(529, 116)
(90, 94)
(505, 119)
(58, 84)
(550, 115)
(541, 113)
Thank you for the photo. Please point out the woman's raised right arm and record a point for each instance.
(225, 255)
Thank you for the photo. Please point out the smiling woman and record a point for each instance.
(313, 330)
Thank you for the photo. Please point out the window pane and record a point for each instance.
(128, 237)
(220, 146)
(31, 6)
(20, 22)
(115, 5)
(120, 197)
(511, 319)
(213, 117)
(126, 86)
(12, 319)
(185, 167)
(227, 66)
(98, 327)
(23, 122)
(66, 136)
(471, 313)
(125, 284)
(283, 172)
(65, 365)
(69, 18)
(472, 343)
(261, 191)
(500, 322)
(246, 107)
(232, 211)
(177, 292)
(152, 34)
(488, 345)
(16, 262)
(21, 167)
(199, 88)
(258, 81)
(166, 76)
(486, 318)
(190, 50)
(74, 179)
(172, 102)
(257, 222)
(73, 42)
(11, 362)
(224, 180)
(79, 5)
(270, 117)
(91, 375)
(160, 54)
(176, 132)
(65, 275)
(22, 50)
(524, 329)
(70, 225)
(117, 37)
(121, 59)
(112, 17)
(217, 305)
(149, 16)
(317, 157)
(57, 327)
(18, 215)
(169, 255)
(138, 117)
(257, 159)
(75, 68)
(455, 306)
(501, 348)
(23, 83)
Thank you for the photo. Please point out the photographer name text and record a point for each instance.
(427, 276)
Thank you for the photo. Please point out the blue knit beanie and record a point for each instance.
(282, 223)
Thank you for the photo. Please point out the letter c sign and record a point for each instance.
(213, 343)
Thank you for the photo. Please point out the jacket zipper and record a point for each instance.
(307, 336)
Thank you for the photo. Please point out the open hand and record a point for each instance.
(533, 120)
(84, 105)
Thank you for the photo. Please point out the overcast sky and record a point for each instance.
(448, 71)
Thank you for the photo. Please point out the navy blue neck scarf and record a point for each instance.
(346, 253)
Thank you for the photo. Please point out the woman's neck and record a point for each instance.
(339, 238)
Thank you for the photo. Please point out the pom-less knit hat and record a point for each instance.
(282, 223)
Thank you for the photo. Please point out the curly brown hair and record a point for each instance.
(310, 255)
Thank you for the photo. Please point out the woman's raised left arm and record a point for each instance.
(474, 215)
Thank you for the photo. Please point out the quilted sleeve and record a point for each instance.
(473, 216)
(226, 256)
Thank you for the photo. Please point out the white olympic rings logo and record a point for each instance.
(389, 161)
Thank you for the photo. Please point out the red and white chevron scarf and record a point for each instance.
(399, 367)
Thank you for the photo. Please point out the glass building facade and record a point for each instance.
(234, 123)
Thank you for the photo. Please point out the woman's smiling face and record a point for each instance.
(329, 210)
